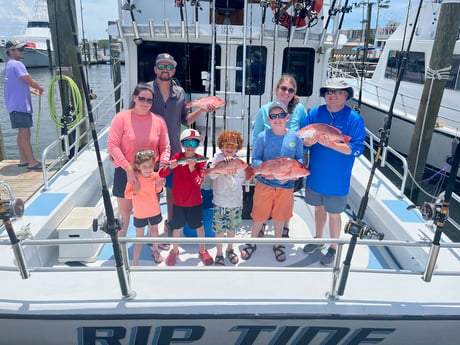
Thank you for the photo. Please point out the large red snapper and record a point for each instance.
(203, 102)
(282, 168)
(223, 167)
(319, 129)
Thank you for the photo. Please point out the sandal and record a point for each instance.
(248, 251)
(285, 233)
(280, 255)
(219, 261)
(232, 257)
(157, 257)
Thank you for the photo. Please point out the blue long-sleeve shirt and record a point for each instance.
(268, 146)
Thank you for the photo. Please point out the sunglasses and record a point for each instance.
(284, 89)
(143, 99)
(162, 67)
(333, 92)
(190, 143)
(146, 153)
(22, 49)
(230, 146)
(277, 116)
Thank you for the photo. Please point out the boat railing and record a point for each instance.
(335, 269)
(351, 69)
(65, 150)
(402, 177)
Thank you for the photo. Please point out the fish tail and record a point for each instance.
(250, 172)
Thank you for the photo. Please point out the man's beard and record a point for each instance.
(162, 78)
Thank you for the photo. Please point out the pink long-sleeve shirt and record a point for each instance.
(130, 133)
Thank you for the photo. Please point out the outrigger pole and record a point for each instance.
(356, 227)
(111, 225)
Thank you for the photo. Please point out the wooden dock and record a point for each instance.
(23, 181)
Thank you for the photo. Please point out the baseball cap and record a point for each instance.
(278, 104)
(336, 84)
(189, 134)
(165, 57)
(13, 44)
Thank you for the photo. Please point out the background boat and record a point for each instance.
(37, 35)
(373, 95)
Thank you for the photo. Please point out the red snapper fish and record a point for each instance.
(282, 168)
(223, 167)
(203, 102)
(319, 129)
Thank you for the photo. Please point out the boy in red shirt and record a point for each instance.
(187, 201)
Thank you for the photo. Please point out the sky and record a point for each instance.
(96, 14)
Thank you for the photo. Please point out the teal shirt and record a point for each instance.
(297, 120)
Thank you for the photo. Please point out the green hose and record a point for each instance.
(76, 101)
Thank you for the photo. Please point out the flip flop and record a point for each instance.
(23, 164)
(36, 167)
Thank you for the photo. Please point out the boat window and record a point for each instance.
(415, 66)
(191, 59)
(256, 65)
(38, 24)
(300, 62)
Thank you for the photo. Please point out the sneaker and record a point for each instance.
(206, 259)
(311, 248)
(328, 259)
(172, 258)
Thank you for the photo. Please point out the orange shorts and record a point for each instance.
(272, 202)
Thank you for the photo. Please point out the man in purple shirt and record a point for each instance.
(19, 102)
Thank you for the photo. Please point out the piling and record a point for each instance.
(435, 82)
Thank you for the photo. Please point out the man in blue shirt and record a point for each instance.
(19, 102)
(331, 162)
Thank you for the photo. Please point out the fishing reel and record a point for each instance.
(431, 211)
(10, 207)
(117, 226)
(361, 230)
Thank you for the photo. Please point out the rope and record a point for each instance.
(76, 100)
(439, 74)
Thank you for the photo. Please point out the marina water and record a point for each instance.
(44, 130)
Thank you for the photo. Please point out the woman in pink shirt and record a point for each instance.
(133, 130)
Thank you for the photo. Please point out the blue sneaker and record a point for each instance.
(328, 259)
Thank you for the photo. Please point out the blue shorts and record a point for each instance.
(169, 180)
(332, 204)
(192, 215)
(119, 182)
(141, 222)
(21, 120)
(226, 219)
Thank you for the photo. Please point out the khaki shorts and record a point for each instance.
(272, 202)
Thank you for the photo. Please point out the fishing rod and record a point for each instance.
(9, 208)
(439, 213)
(111, 225)
(356, 227)
(331, 13)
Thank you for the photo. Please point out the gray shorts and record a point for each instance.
(332, 204)
(21, 120)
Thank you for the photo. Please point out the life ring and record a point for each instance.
(308, 12)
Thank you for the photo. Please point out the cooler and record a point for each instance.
(79, 224)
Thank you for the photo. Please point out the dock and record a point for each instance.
(23, 181)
